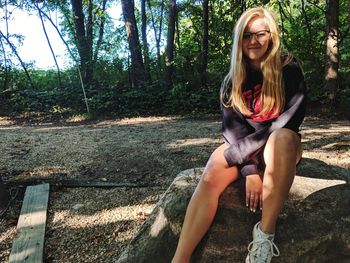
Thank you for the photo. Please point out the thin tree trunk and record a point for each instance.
(101, 31)
(205, 42)
(137, 67)
(49, 43)
(332, 63)
(89, 40)
(243, 6)
(309, 30)
(177, 31)
(344, 34)
(82, 40)
(157, 36)
(5, 65)
(169, 60)
(73, 57)
(19, 58)
(144, 39)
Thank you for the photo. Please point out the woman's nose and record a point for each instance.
(253, 40)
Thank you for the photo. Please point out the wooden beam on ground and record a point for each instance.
(29, 244)
(78, 183)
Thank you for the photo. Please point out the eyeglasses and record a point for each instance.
(261, 36)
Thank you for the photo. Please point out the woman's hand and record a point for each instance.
(253, 191)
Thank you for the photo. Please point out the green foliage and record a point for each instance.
(303, 34)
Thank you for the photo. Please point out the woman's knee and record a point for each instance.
(283, 144)
(284, 141)
(217, 175)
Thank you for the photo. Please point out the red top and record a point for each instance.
(254, 102)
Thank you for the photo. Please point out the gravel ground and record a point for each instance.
(95, 224)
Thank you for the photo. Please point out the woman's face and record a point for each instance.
(255, 42)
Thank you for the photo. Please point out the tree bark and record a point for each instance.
(144, 39)
(332, 50)
(89, 40)
(169, 59)
(158, 35)
(101, 31)
(84, 38)
(205, 41)
(137, 67)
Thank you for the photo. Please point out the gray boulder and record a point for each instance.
(314, 226)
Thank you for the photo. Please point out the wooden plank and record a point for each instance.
(28, 246)
(78, 183)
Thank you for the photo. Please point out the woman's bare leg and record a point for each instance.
(204, 202)
(282, 152)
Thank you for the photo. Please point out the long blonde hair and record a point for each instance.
(272, 94)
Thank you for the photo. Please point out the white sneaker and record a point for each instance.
(262, 248)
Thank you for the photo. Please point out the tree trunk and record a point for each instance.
(169, 59)
(84, 43)
(332, 63)
(4, 195)
(204, 46)
(144, 39)
(14, 50)
(137, 67)
(6, 67)
(308, 25)
(243, 6)
(89, 40)
(50, 46)
(101, 31)
(158, 35)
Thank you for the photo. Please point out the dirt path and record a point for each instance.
(89, 224)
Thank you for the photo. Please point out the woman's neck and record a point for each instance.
(255, 64)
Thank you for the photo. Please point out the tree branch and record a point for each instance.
(19, 58)
(49, 43)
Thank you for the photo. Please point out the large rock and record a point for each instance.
(314, 226)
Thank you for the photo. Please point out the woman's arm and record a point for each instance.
(234, 128)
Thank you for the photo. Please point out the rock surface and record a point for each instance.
(314, 225)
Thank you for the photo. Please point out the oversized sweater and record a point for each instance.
(247, 136)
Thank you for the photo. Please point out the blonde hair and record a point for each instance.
(272, 93)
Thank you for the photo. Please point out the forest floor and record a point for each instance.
(133, 161)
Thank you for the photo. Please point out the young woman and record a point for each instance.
(262, 108)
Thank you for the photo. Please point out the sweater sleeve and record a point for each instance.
(234, 128)
(242, 150)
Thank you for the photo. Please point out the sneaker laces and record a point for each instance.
(263, 247)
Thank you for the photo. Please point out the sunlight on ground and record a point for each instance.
(43, 171)
(192, 142)
(77, 118)
(7, 234)
(78, 220)
(4, 121)
(137, 120)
